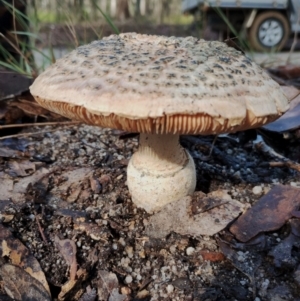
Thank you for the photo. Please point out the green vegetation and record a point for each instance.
(17, 47)
(45, 17)
(179, 19)
(89, 15)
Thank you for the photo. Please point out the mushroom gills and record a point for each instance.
(161, 171)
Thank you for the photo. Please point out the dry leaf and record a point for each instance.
(68, 250)
(94, 231)
(3, 110)
(18, 193)
(290, 92)
(282, 253)
(71, 187)
(19, 144)
(287, 71)
(116, 296)
(89, 295)
(13, 84)
(95, 185)
(6, 188)
(182, 217)
(107, 282)
(20, 256)
(21, 168)
(287, 122)
(12, 115)
(7, 212)
(21, 286)
(268, 214)
(71, 286)
(249, 263)
(11, 153)
(30, 108)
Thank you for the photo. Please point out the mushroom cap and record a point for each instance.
(158, 84)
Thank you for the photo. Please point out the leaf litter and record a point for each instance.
(90, 208)
(23, 267)
(269, 213)
(20, 285)
(194, 219)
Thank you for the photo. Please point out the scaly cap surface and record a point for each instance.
(157, 84)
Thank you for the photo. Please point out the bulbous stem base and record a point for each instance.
(161, 171)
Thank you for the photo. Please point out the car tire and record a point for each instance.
(269, 31)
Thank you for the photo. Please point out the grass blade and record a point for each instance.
(107, 18)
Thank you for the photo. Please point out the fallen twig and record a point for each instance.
(40, 228)
(288, 163)
(260, 145)
(29, 134)
(21, 125)
(212, 146)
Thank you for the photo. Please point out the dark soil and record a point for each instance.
(83, 197)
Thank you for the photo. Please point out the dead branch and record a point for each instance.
(38, 124)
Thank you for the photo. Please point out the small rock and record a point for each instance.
(241, 258)
(119, 177)
(142, 253)
(115, 296)
(32, 216)
(128, 279)
(142, 294)
(237, 174)
(125, 290)
(173, 249)
(264, 287)
(190, 251)
(129, 251)
(122, 242)
(170, 288)
(257, 190)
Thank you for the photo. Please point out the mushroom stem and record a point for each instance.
(161, 171)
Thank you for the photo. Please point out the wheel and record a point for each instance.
(269, 31)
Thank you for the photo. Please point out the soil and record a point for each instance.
(82, 197)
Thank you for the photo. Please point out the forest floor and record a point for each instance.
(68, 217)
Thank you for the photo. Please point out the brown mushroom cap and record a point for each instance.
(157, 84)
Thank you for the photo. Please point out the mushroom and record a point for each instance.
(161, 87)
